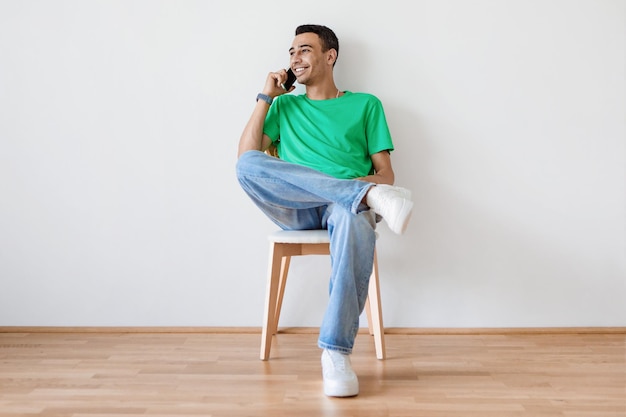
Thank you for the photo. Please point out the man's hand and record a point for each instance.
(273, 84)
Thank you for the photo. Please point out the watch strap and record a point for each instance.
(264, 97)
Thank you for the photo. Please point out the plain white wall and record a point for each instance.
(119, 123)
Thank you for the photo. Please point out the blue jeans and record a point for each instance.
(298, 198)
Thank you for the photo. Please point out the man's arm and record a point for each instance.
(252, 137)
(383, 171)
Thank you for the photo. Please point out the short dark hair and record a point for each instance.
(327, 36)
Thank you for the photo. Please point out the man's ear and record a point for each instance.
(332, 56)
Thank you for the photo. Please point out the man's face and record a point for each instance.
(308, 61)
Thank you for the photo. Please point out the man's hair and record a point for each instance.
(327, 36)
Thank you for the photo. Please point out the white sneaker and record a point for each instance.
(339, 378)
(393, 204)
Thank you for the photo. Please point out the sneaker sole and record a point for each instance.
(403, 218)
(341, 390)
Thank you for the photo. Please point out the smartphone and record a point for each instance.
(291, 78)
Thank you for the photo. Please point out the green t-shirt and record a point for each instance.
(335, 136)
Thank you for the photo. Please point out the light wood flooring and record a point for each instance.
(99, 374)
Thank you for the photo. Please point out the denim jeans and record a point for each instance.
(298, 198)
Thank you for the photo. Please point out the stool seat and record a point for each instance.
(301, 236)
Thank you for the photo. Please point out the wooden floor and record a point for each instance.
(130, 374)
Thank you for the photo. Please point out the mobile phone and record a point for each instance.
(291, 78)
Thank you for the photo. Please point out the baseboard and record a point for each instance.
(506, 330)
(310, 330)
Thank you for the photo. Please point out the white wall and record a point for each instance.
(119, 122)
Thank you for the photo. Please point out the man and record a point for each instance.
(335, 173)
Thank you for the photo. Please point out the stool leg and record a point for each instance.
(284, 270)
(375, 316)
(271, 295)
(368, 312)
